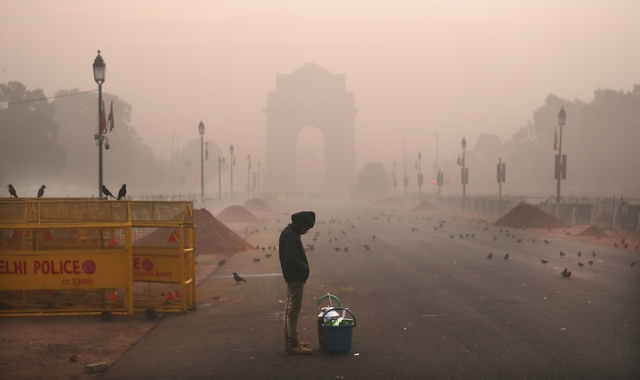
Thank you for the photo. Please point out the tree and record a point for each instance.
(29, 150)
(372, 180)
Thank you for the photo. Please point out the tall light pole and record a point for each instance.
(395, 179)
(404, 166)
(201, 131)
(419, 175)
(249, 175)
(231, 165)
(99, 70)
(561, 161)
(220, 162)
(173, 164)
(436, 166)
(465, 172)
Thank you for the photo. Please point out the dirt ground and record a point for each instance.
(42, 347)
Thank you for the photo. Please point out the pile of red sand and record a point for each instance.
(425, 206)
(257, 206)
(391, 202)
(212, 236)
(593, 231)
(530, 216)
(237, 214)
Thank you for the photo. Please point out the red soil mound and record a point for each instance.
(391, 202)
(425, 206)
(257, 206)
(237, 214)
(212, 236)
(529, 216)
(593, 231)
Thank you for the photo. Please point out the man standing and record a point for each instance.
(295, 269)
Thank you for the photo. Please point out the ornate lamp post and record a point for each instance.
(99, 70)
(231, 165)
(561, 161)
(419, 175)
(201, 131)
(465, 172)
(220, 162)
(249, 175)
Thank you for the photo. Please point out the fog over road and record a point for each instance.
(427, 306)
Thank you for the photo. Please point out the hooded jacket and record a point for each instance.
(293, 259)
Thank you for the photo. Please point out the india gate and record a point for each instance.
(310, 96)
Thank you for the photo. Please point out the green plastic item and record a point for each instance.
(328, 295)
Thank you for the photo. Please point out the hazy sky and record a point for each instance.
(455, 67)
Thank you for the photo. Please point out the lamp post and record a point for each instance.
(561, 161)
(220, 162)
(419, 175)
(395, 180)
(231, 165)
(465, 172)
(201, 131)
(99, 70)
(404, 166)
(172, 163)
(436, 166)
(249, 175)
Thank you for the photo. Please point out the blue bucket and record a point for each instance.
(338, 338)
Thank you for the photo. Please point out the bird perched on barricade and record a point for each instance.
(123, 192)
(12, 191)
(106, 192)
(41, 191)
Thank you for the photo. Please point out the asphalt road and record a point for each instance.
(427, 306)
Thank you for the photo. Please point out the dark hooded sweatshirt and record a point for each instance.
(293, 260)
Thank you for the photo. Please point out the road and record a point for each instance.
(428, 306)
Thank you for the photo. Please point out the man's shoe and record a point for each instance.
(304, 344)
(300, 350)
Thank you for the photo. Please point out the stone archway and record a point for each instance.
(310, 96)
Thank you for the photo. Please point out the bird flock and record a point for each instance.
(121, 194)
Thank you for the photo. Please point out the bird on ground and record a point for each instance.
(590, 262)
(490, 255)
(543, 261)
(562, 254)
(373, 237)
(366, 247)
(473, 236)
(506, 257)
(633, 264)
(123, 192)
(264, 249)
(579, 253)
(580, 264)
(106, 192)
(626, 246)
(495, 239)
(346, 249)
(238, 278)
(565, 273)
(623, 240)
(461, 237)
(12, 191)
(546, 241)
(451, 236)
(337, 249)
(256, 260)
(615, 245)
(533, 241)
(519, 240)
(41, 191)
(593, 253)
(268, 255)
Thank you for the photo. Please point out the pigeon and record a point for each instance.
(41, 191)
(580, 264)
(590, 262)
(256, 260)
(546, 241)
(519, 240)
(623, 240)
(238, 278)
(106, 192)
(506, 257)
(495, 239)
(366, 247)
(451, 236)
(614, 244)
(123, 192)
(373, 237)
(346, 249)
(593, 253)
(490, 255)
(579, 253)
(268, 255)
(12, 191)
(565, 273)
(562, 253)
(337, 249)
(461, 237)
(633, 264)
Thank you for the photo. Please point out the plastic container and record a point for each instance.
(339, 338)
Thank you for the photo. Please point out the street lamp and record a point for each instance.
(220, 162)
(465, 171)
(561, 161)
(201, 131)
(395, 180)
(99, 70)
(231, 164)
(249, 175)
(419, 175)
